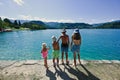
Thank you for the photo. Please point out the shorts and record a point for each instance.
(55, 53)
(64, 48)
(75, 48)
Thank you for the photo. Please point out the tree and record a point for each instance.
(1, 23)
(19, 23)
(7, 23)
(16, 25)
(15, 22)
(34, 25)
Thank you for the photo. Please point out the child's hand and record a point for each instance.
(48, 47)
(40, 51)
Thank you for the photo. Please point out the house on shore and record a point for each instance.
(5, 30)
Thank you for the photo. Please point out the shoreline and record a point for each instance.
(30, 62)
(35, 70)
(82, 60)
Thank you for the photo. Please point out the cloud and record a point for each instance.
(79, 20)
(55, 20)
(29, 17)
(19, 2)
(3, 17)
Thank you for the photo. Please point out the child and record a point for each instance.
(44, 52)
(55, 51)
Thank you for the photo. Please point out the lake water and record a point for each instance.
(97, 44)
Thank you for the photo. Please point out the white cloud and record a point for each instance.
(60, 20)
(19, 2)
(29, 17)
(3, 17)
(81, 20)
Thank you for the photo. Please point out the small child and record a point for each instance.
(44, 52)
(55, 51)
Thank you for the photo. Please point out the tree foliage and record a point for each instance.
(1, 23)
(34, 25)
(37, 25)
(110, 25)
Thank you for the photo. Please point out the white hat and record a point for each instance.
(76, 30)
(53, 38)
(44, 44)
(64, 30)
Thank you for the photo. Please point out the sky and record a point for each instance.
(87, 11)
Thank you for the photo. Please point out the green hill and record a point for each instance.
(109, 25)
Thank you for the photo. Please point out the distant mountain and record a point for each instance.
(35, 24)
(56, 25)
(96, 25)
(52, 25)
(76, 25)
(108, 25)
(116, 21)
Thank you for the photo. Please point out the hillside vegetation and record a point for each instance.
(38, 25)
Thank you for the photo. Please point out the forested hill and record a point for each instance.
(56, 25)
(109, 25)
(36, 25)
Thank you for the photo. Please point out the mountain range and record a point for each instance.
(56, 25)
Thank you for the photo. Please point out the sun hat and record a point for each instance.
(64, 30)
(44, 44)
(53, 38)
(76, 30)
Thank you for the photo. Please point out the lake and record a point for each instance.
(97, 44)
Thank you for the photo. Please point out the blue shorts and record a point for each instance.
(75, 48)
(64, 48)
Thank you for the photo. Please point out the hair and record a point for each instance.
(76, 36)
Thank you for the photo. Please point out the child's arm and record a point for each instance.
(48, 48)
(58, 39)
(41, 51)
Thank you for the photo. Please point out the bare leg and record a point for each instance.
(57, 61)
(75, 59)
(79, 58)
(62, 57)
(46, 63)
(54, 61)
(66, 58)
